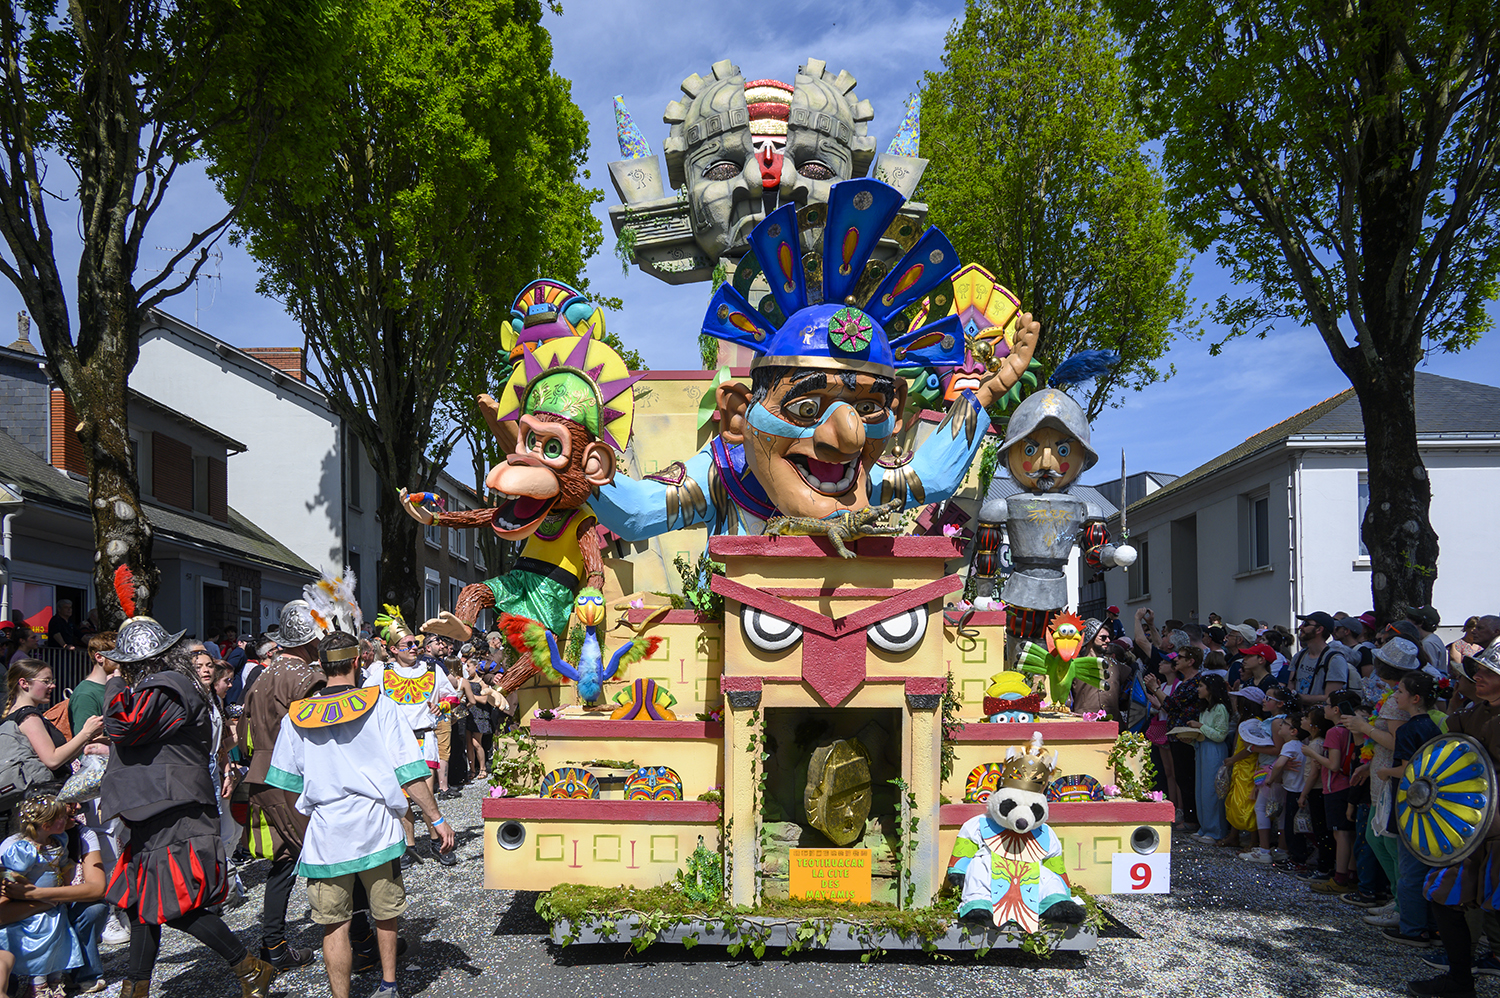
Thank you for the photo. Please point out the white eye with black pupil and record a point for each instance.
(902, 632)
(769, 633)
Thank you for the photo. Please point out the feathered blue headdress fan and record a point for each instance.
(826, 324)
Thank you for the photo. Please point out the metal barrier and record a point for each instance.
(69, 667)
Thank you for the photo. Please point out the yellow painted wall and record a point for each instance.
(699, 761)
(601, 854)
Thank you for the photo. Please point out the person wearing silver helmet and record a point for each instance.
(1046, 448)
(292, 675)
(173, 870)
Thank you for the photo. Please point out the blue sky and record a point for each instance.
(608, 48)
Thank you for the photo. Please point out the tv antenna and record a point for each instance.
(215, 255)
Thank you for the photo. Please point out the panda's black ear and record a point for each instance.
(1039, 811)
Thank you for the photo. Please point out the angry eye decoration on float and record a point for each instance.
(769, 633)
(900, 633)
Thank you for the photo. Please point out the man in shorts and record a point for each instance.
(348, 755)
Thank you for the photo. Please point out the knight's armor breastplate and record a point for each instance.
(1042, 530)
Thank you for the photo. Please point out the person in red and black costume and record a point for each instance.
(173, 869)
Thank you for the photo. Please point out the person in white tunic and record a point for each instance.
(416, 684)
(348, 754)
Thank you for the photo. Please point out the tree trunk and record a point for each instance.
(122, 533)
(1397, 530)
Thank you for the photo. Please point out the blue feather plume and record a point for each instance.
(1083, 366)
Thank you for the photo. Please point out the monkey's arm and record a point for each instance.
(481, 517)
(471, 599)
(588, 548)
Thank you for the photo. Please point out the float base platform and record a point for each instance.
(775, 933)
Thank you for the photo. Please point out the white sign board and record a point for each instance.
(1132, 873)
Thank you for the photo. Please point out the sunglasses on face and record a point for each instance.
(408, 644)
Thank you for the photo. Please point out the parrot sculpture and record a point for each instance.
(588, 672)
(1059, 660)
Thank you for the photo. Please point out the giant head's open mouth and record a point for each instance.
(519, 516)
(825, 477)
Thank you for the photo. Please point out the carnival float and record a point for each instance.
(756, 707)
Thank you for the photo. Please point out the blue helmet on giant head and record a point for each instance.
(813, 316)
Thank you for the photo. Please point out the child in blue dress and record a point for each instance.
(46, 945)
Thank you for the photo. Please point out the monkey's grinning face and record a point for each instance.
(555, 465)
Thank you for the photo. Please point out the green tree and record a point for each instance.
(1037, 173)
(114, 97)
(1341, 159)
(454, 182)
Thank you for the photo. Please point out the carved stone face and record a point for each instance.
(721, 170)
(837, 798)
(819, 137)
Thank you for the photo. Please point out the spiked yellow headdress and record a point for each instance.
(578, 378)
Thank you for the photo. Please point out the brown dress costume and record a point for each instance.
(284, 681)
(1475, 881)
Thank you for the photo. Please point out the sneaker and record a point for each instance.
(1384, 921)
(1362, 900)
(450, 794)
(408, 858)
(1384, 909)
(1487, 965)
(1261, 856)
(446, 858)
(1418, 940)
(384, 992)
(285, 956)
(1314, 876)
(1332, 887)
(1441, 987)
(116, 932)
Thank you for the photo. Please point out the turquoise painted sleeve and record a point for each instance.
(637, 509)
(942, 460)
(411, 772)
(290, 782)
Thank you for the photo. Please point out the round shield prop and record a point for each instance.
(1446, 800)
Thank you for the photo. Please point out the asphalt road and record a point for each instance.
(1227, 928)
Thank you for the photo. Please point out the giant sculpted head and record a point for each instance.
(741, 148)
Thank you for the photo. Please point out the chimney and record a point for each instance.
(288, 360)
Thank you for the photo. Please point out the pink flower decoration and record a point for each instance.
(1155, 795)
(638, 604)
(949, 530)
(498, 792)
(1110, 790)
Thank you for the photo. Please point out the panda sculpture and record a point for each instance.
(1008, 861)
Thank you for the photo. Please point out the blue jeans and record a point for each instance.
(1411, 902)
(87, 918)
(1208, 756)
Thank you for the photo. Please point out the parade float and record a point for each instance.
(807, 737)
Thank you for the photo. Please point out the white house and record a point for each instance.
(1271, 528)
(301, 473)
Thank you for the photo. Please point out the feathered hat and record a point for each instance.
(835, 307)
(333, 607)
(391, 625)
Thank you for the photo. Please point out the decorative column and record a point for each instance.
(744, 736)
(922, 771)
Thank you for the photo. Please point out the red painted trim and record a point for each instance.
(1052, 731)
(734, 372)
(740, 684)
(818, 547)
(919, 685)
(1126, 812)
(636, 616)
(981, 618)
(656, 812)
(846, 592)
(604, 728)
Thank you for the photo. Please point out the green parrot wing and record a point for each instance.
(1087, 670)
(1033, 657)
